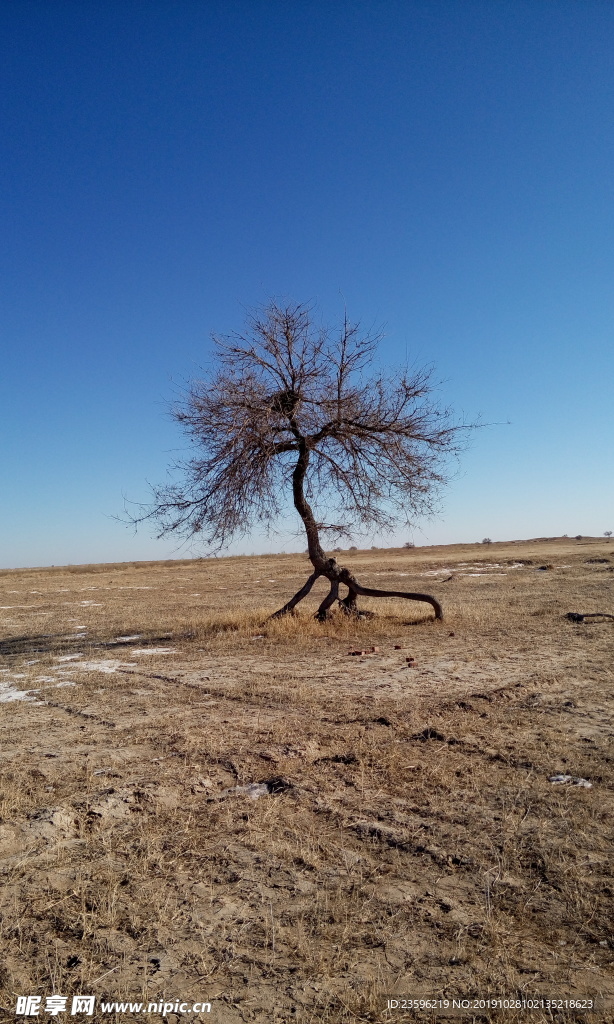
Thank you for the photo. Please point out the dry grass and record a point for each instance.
(410, 841)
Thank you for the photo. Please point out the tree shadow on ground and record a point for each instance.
(52, 643)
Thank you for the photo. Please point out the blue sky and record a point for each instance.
(443, 167)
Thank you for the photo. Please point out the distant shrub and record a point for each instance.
(608, 534)
(409, 544)
(337, 549)
(353, 549)
(374, 548)
(578, 536)
(487, 540)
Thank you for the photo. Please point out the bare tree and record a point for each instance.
(290, 407)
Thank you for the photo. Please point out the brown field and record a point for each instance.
(404, 838)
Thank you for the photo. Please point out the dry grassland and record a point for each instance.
(408, 840)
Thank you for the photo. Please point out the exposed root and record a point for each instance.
(333, 595)
(300, 594)
(354, 585)
(348, 604)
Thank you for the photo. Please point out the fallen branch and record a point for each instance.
(581, 616)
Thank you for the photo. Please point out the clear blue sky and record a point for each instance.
(444, 167)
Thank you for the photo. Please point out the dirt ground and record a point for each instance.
(198, 805)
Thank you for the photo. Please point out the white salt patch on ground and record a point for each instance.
(155, 650)
(101, 666)
(573, 779)
(122, 639)
(483, 567)
(69, 657)
(9, 694)
(483, 570)
(66, 682)
(92, 604)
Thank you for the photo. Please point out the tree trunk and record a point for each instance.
(305, 511)
(328, 567)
